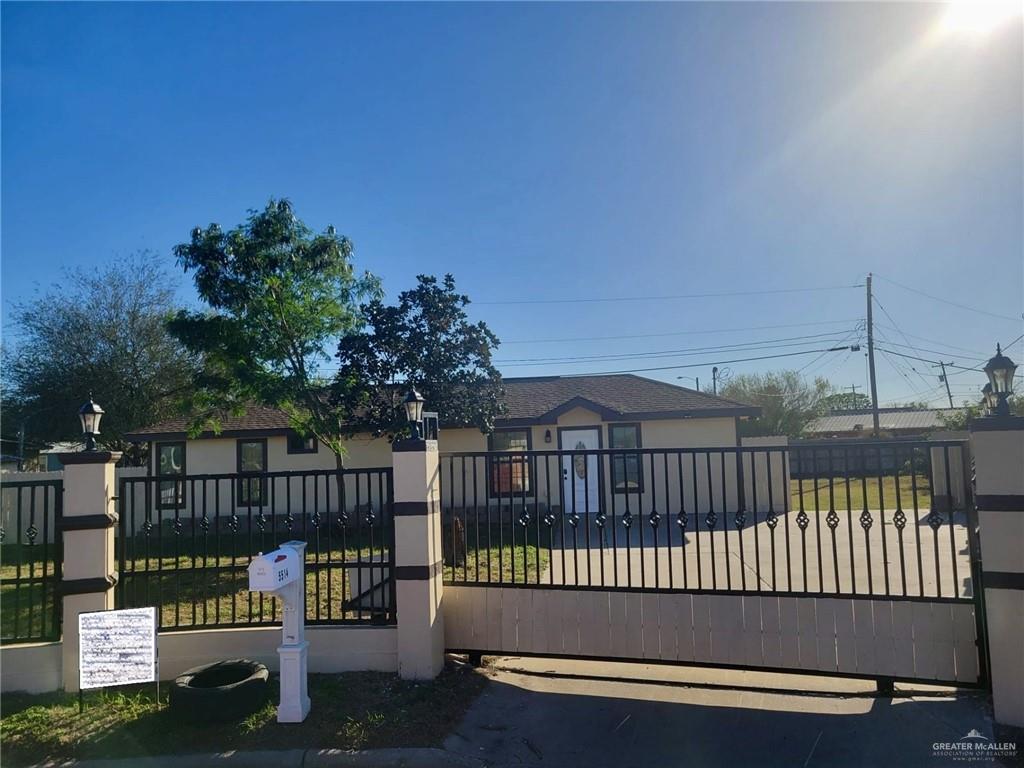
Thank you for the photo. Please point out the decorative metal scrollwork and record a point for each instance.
(866, 521)
(573, 519)
(317, 519)
(3, 534)
(204, 524)
(289, 521)
(772, 520)
(627, 519)
(711, 520)
(549, 519)
(32, 532)
(524, 517)
(147, 527)
(342, 519)
(600, 520)
(654, 518)
(741, 518)
(261, 522)
(899, 519)
(371, 516)
(832, 519)
(177, 527)
(934, 519)
(234, 523)
(802, 520)
(682, 520)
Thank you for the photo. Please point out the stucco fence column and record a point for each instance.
(998, 448)
(418, 559)
(90, 570)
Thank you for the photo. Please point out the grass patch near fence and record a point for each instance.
(506, 565)
(874, 492)
(355, 710)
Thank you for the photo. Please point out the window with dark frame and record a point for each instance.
(170, 461)
(299, 444)
(627, 474)
(509, 475)
(252, 459)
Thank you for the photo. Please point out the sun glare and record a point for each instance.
(978, 18)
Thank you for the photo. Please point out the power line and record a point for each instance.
(926, 360)
(715, 295)
(900, 331)
(681, 333)
(973, 352)
(947, 301)
(701, 365)
(813, 338)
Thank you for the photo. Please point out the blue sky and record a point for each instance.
(553, 153)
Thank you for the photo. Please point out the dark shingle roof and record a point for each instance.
(535, 399)
(621, 395)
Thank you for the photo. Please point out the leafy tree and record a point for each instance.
(102, 333)
(424, 341)
(957, 420)
(845, 401)
(787, 401)
(278, 294)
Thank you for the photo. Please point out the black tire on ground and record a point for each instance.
(220, 692)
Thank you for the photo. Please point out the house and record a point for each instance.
(892, 422)
(49, 458)
(543, 412)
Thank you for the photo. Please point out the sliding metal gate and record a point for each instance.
(841, 558)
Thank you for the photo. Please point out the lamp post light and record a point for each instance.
(1000, 370)
(90, 415)
(988, 399)
(414, 413)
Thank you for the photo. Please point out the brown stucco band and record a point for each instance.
(1005, 502)
(88, 522)
(88, 586)
(413, 508)
(1002, 580)
(417, 572)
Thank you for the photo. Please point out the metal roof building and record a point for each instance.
(905, 421)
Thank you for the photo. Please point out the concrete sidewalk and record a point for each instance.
(566, 713)
(289, 758)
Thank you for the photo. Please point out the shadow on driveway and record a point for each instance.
(548, 712)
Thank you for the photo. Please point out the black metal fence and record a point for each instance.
(871, 518)
(30, 560)
(185, 543)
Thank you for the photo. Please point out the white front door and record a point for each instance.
(579, 471)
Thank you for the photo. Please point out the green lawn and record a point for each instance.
(357, 710)
(816, 493)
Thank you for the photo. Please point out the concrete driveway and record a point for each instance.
(565, 713)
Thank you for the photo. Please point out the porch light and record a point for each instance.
(1000, 370)
(414, 412)
(90, 415)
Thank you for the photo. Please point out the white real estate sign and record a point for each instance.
(116, 647)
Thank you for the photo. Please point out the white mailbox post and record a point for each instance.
(281, 573)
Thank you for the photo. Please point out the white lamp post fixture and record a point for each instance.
(90, 415)
(1000, 370)
(414, 413)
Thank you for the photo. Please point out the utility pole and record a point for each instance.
(871, 364)
(714, 380)
(945, 380)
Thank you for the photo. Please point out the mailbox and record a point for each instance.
(281, 573)
(274, 570)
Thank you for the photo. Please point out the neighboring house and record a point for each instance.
(546, 412)
(892, 422)
(49, 458)
(9, 463)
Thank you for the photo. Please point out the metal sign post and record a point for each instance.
(281, 573)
